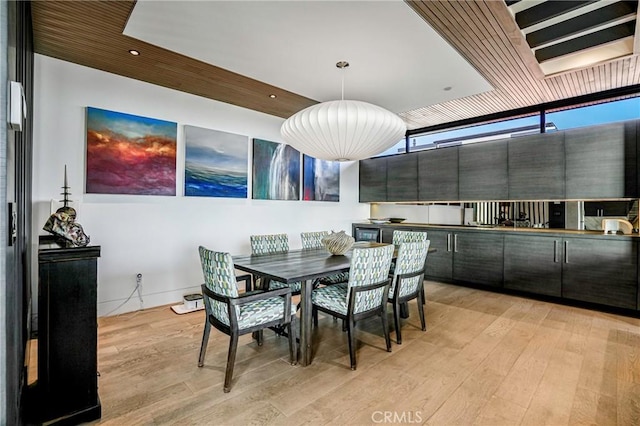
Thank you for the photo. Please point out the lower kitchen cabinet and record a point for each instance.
(601, 271)
(478, 258)
(440, 263)
(533, 264)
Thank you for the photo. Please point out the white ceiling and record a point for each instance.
(396, 60)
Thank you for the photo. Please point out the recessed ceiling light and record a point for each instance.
(446, 89)
(134, 52)
(272, 96)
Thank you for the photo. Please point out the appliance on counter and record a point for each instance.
(362, 233)
(596, 211)
(615, 226)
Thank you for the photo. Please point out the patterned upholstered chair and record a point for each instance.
(271, 244)
(407, 283)
(400, 237)
(235, 314)
(363, 296)
(313, 240)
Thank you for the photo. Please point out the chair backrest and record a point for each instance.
(400, 237)
(219, 277)
(269, 244)
(411, 259)
(312, 240)
(369, 266)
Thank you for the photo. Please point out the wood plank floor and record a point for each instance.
(485, 359)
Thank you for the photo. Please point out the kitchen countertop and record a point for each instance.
(507, 229)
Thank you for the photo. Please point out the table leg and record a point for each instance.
(305, 323)
(404, 310)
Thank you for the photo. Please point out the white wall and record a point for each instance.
(155, 235)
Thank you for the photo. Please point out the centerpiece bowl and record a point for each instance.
(338, 243)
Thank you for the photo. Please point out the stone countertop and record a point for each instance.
(507, 229)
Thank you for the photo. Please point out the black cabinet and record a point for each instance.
(536, 167)
(440, 263)
(601, 161)
(67, 384)
(601, 271)
(373, 180)
(607, 208)
(438, 174)
(483, 172)
(478, 258)
(533, 264)
(402, 177)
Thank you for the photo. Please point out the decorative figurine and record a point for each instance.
(63, 223)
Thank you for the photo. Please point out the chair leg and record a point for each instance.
(231, 359)
(314, 313)
(424, 299)
(260, 337)
(385, 328)
(351, 333)
(396, 322)
(205, 341)
(421, 311)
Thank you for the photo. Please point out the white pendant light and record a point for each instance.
(343, 130)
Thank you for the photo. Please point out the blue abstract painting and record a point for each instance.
(216, 163)
(321, 179)
(276, 171)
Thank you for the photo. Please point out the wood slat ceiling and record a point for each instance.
(89, 33)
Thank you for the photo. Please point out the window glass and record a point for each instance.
(396, 149)
(476, 133)
(608, 112)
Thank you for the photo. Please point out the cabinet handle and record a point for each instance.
(566, 252)
(448, 242)
(455, 243)
(555, 251)
(380, 235)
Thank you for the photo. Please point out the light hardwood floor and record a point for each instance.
(485, 358)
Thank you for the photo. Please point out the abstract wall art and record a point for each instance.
(276, 171)
(129, 154)
(321, 179)
(216, 163)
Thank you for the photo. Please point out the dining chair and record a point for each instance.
(237, 314)
(313, 240)
(364, 295)
(400, 237)
(407, 283)
(272, 244)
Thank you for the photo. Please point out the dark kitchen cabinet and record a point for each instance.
(601, 271)
(607, 208)
(478, 258)
(440, 263)
(483, 173)
(438, 174)
(601, 161)
(402, 177)
(67, 384)
(536, 167)
(533, 264)
(373, 180)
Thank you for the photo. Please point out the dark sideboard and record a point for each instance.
(67, 386)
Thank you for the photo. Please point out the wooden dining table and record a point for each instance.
(304, 266)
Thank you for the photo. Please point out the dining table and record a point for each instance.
(304, 265)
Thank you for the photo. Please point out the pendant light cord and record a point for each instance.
(342, 65)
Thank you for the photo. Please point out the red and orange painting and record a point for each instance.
(129, 154)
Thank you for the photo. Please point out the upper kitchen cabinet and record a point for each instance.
(438, 175)
(536, 167)
(483, 173)
(373, 180)
(601, 161)
(402, 178)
